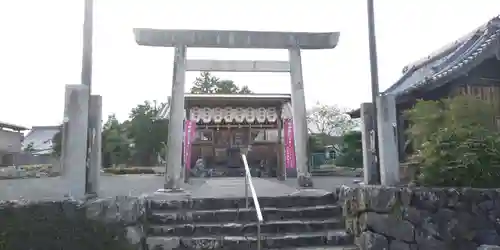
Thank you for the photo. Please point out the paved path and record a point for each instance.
(235, 187)
(53, 188)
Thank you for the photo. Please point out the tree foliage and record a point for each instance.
(456, 143)
(351, 150)
(206, 83)
(330, 120)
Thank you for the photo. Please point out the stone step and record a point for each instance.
(226, 203)
(269, 241)
(242, 229)
(322, 248)
(243, 214)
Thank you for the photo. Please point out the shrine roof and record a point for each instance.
(236, 99)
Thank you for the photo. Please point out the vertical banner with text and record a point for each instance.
(189, 135)
(289, 144)
(285, 143)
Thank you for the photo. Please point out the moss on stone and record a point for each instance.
(56, 225)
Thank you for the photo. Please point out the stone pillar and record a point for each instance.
(176, 122)
(299, 118)
(95, 128)
(369, 160)
(387, 138)
(75, 141)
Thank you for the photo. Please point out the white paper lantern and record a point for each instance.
(218, 115)
(261, 115)
(207, 115)
(271, 114)
(228, 114)
(194, 114)
(250, 115)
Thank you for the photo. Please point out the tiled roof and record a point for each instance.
(450, 62)
(12, 126)
(41, 138)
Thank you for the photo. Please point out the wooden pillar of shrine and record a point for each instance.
(280, 168)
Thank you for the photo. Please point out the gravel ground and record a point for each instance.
(53, 188)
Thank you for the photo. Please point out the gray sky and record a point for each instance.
(40, 49)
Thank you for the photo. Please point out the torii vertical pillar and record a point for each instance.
(299, 118)
(95, 128)
(175, 125)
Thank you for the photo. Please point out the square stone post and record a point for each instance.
(95, 123)
(75, 141)
(370, 170)
(387, 138)
(299, 118)
(176, 123)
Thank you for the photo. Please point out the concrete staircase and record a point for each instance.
(290, 222)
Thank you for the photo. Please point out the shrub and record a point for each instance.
(121, 171)
(456, 143)
(351, 152)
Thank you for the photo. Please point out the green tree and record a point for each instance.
(29, 148)
(351, 150)
(206, 83)
(134, 141)
(456, 145)
(146, 132)
(330, 120)
(245, 90)
(57, 143)
(226, 87)
(115, 144)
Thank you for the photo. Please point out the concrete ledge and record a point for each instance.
(235, 39)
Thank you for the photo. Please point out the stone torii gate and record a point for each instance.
(294, 42)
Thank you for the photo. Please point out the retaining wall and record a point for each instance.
(111, 224)
(421, 218)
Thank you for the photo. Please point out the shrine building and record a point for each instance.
(230, 124)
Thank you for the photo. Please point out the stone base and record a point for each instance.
(305, 181)
(90, 196)
(291, 173)
(171, 194)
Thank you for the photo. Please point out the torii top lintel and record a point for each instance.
(235, 39)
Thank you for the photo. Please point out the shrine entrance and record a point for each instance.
(227, 126)
(294, 42)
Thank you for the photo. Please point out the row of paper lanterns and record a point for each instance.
(230, 114)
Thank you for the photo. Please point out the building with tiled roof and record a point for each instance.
(468, 66)
(470, 60)
(39, 139)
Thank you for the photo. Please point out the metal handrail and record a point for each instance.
(249, 185)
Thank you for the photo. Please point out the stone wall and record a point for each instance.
(421, 218)
(111, 224)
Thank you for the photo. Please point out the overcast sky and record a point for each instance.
(40, 47)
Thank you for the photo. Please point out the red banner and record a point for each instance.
(290, 161)
(285, 142)
(189, 135)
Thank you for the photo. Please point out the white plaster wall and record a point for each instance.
(10, 141)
